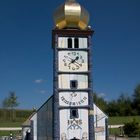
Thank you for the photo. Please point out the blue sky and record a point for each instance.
(26, 56)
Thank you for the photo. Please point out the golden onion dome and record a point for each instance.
(71, 15)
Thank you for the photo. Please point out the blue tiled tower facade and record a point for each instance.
(73, 100)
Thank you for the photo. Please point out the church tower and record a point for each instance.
(73, 101)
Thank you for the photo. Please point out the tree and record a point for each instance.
(5, 103)
(136, 101)
(124, 105)
(100, 102)
(132, 128)
(112, 108)
(11, 102)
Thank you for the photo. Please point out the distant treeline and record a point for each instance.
(123, 106)
(19, 115)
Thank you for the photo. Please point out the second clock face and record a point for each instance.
(72, 60)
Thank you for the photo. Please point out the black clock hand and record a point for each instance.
(72, 60)
(75, 62)
(75, 59)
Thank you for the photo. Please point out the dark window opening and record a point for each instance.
(69, 42)
(74, 138)
(74, 113)
(73, 84)
(76, 43)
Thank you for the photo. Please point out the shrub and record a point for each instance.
(132, 128)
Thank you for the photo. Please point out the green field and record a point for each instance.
(7, 119)
(7, 133)
(114, 131)
(122, 120)
(10, 124)
(13, 119)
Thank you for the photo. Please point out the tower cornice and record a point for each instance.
(71, 32)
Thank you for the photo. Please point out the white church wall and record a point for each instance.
(62, 42)
(100, 124)
(70, 127)
(34, 127)
(64, 81)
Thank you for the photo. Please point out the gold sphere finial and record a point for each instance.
(71, 15)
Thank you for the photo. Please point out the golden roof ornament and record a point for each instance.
(71, 15)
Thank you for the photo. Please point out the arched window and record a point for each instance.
(74, 138)
(73, 84)
(69, 42)
(76, 43)
(73, 113)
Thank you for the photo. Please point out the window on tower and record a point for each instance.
(73, 113)
(73, 84)
(69, 42)
(76, 43)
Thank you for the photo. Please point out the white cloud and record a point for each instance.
(101, 94)
(43, 91)
(39, 81)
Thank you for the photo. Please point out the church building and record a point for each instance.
(69, 114)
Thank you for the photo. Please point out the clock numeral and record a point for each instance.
(73, 53)
(81, 57)
(80, 65)
(73, 68)
(77, 67)
(82, 60)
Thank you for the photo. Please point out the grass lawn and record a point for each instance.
(11, 123)
(7, 133)
(122, 120)
(114, 131)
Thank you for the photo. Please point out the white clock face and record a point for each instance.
(72, 61)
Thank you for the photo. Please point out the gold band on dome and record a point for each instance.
(71, 15)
